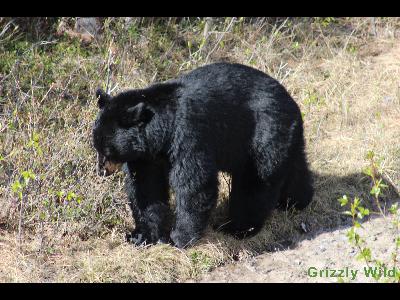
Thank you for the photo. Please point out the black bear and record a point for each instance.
(180, 133)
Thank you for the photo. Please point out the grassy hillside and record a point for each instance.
(59, 221)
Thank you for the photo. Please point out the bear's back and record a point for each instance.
(221, 104)
(231, 85)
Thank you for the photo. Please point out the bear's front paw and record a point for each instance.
(183, 239)
(137, 238)
(141, 238)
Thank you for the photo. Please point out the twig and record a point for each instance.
(386, 177)
(207, 26)
(108, 68)
(373, 26)
(20, 222)
(220, 39)
(115, 86)
(48, 91)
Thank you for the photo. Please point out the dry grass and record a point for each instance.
(345, 81)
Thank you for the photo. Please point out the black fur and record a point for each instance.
(180, 133)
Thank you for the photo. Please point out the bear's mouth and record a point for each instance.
(105, 166)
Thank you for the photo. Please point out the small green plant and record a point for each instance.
(352, 49)
(373, 171)
(21, 184)
(358, 212)
(313, 98)
(34, 143)
(19, 187)
(326, 21)
(201, 262)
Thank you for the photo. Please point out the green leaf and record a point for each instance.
(28, 174)
(365, 254)
(363, 211)
(79, 199)
(42, 216)
(71, 195)
(382, 185)
(357, 238)
(343, 201)
(393, 209)
(354, 206)
(16, 186)
(370, 154)
(351, 234)
(367, 171)
(35, 137)
(375, 191)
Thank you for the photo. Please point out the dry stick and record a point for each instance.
(373, 26)
(207, 26)
(274, 29)
(108, 68)
(221, 37)
(325, 40)
(270, 40)
(5, 28)
(206, 32)
(386, 177)
(348, 39)
(20, 222)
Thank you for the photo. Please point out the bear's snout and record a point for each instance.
(106, 167)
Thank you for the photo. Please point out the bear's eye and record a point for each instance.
(126, 124)
(123, 123)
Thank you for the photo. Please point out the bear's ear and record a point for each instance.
(102, 98)
(138, 115)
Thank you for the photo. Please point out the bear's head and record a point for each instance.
(118, 132)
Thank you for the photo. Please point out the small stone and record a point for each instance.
(87, 25)
(387, 100)
(304, 227)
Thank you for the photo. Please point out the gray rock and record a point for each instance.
(87, 25)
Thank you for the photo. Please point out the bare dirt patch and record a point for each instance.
(325, 251)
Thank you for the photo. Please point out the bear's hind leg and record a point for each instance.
(298, 189)
(252, 199)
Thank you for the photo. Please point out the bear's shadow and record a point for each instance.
(324, 213)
